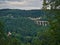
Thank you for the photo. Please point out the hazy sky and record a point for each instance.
(21, 4)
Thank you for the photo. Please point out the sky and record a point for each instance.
(21, 4)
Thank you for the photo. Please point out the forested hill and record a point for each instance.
(17, 12)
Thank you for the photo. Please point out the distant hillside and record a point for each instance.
(22, 23)
(25, 13)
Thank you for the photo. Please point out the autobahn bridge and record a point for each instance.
(42, 23)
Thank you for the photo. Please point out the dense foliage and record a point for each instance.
(25, 31)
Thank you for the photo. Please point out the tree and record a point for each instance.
(53, 18)
(53, 3)
(2, 34)
(44, 5)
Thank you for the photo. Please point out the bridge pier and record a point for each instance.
(42, 23)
